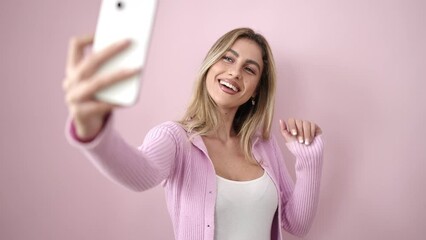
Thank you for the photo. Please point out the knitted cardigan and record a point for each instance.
(180, 162)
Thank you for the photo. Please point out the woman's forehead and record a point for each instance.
(247, 49)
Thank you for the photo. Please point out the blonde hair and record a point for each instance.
(201, 116)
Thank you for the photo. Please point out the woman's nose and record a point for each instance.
(234, 71)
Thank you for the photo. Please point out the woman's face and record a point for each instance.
(233, 79)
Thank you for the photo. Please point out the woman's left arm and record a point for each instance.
(304, 140)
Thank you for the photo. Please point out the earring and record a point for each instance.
(252, 101)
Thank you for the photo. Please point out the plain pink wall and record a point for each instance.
(357, 68)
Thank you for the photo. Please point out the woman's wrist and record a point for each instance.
(84, 136)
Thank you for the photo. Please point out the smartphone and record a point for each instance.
(118, 20)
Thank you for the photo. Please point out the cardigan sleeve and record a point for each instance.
(300, 199)
(138, 169)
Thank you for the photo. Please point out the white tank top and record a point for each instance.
(245, 209)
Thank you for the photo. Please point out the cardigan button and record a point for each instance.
(208, 225)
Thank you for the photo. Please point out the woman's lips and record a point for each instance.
(228, 86)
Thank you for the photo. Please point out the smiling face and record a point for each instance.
(233, 79)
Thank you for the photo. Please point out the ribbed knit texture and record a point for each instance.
(169, 156)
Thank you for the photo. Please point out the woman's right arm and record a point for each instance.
(90, 122)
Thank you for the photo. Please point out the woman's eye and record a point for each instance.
(250, 70)
(227, 59)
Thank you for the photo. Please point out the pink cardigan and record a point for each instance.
(182, 165)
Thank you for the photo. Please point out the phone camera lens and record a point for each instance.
(120, 5)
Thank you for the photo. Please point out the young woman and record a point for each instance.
(222, 171)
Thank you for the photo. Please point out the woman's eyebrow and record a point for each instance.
(234, 52)
(248, 61)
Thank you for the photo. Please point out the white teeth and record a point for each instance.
(229, 85)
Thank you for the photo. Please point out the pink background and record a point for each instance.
(355, 67)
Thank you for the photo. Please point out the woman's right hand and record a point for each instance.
(81, 84)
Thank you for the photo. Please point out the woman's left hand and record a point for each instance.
(299, 130)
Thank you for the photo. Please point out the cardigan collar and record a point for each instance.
(198, 142)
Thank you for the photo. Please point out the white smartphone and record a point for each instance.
(118, 20)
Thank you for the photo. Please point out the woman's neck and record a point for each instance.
(225, 131)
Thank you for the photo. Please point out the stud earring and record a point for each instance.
(252, 101)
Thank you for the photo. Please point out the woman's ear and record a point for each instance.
(255, 92)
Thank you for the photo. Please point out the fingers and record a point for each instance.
(300, 134)
(91, 64)
(318, 131)
(307, 137)
(313, 129)
(292, 126)
(87, 89)
(76, 48)
(80, 68)
(284, 131)
(299, 130)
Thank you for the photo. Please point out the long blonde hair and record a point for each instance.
(201, 116)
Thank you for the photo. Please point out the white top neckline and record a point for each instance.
(244, 181)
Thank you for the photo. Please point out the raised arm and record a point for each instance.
(90, 122)
(300, 199)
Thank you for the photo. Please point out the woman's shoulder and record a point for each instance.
(172, 128)
(171, 125)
